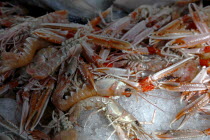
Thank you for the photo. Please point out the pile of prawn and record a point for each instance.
(48, 62)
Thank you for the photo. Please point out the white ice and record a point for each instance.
(97, 126)
(9, 110)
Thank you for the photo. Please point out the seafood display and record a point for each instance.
(55, 70)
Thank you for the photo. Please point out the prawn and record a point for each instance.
(10, 34)
(12, 60)
(105, 87)
(49, 59)
(114, 112)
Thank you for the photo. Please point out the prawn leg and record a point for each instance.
(121, 134)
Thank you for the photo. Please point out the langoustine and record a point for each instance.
(114, 112)
(98, 50)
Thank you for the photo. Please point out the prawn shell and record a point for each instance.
(70, 134)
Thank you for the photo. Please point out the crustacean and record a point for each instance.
(75, 67)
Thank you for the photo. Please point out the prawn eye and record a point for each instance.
(137, 123)
(127, 90)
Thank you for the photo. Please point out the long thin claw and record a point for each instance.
(110, 42)
(130, 35)
(183, 86)
(148, 31)
(36, 113)
(179, 134)
(191, 109)
(49, 35)
(25, 111)
(63, 26)
(117, 26)
(201, 77)
(169, 69)
(173, 30)
(198, 19)
(189, 41)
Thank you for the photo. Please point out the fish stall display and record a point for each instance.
(104, 70)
